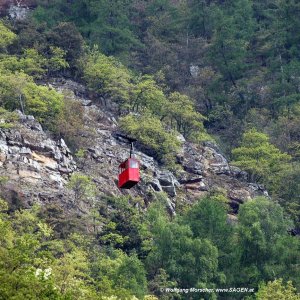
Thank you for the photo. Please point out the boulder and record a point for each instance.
(238, 173)
(154, 182)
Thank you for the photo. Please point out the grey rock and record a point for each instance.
(238, 173)
(3, 147)
(194, 70)
(171, 207)
(13, 150)
(170, 190)
(212, 145)
(30, 118)
(86, 102)
(220, 169)
(147, 162)
(36, 127)
(180, 138)
(166, 178)
(203, 186)
(25, 151)
(64, 170)
(156, 185)
(18, 12)
(190, 179)
(168, 182)
(193, 167)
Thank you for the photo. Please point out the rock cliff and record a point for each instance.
(16, 9)
(35, 168)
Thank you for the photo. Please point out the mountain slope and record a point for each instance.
(38, 167)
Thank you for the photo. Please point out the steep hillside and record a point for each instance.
(210, 92)
(38, 167)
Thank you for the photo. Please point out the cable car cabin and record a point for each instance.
(129, 173)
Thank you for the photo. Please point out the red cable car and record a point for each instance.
(129, 172)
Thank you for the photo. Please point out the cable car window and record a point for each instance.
(134, 164)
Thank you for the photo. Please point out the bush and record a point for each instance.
(18, 91)
(107, 77)
(6, 36)
(150, 131)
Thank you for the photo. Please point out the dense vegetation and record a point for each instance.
(222, 70)
(131, 253)
(237, 62)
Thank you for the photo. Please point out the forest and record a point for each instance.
(210, 70)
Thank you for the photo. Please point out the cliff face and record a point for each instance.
(16, 9)
(36, 168)
(5, 4)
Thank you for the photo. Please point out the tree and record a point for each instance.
(123, 227)
(21, 240)
(18, 91)
(103, 23)
(258, 157)
(277, 290)
(131, 276)
(147, 94)
(234, 28)
(83, 187)
(107, 77)
(287, 191)
(7, 37)
(30, 62)
(208, 219)
(188, 121)
(66, 37)
(189, 261)
(111, 28)
(262, 236)
(150, 131)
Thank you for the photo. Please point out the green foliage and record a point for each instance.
(230, 43)
(277, 290)
(259, 157)
(19, 255)
(83, 187)
(66, 37)
(7, 119)
(106, 76)
(57, 61)
(70, 123)
(31, 63)
(147, 94)
(35, 265)
(190, 261)
(119, 275)
(188, 121)
(150, 131)
(103, 22)
(287, 191)
(18, 91)
(208, 219)
(7, 37)
(262, 234)
(124, 227)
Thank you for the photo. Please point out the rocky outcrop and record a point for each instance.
(16, 9)
(37, 167)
